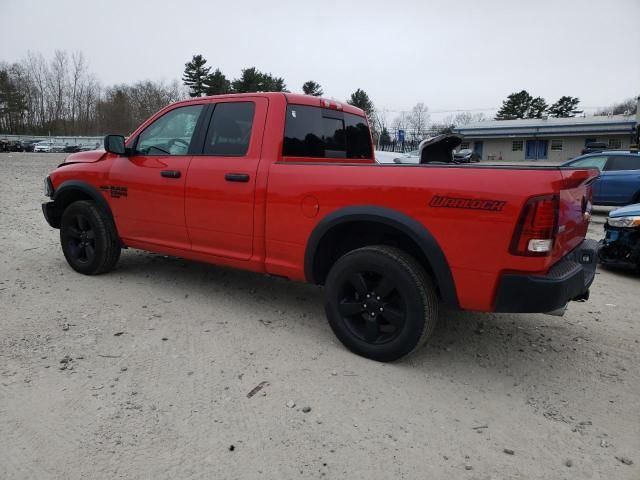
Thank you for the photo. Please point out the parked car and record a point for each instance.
(47, 146)
(43, 146)
(621, 244)
(287, 184)
(619, 181)
(71, 148)
(397, 157)
(4, 145)
(28, 145)
(16, 146)
(592, 147)
(466, 155)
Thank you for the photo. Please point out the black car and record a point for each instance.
(16, 146)
(593, 147)
(71, 148)
(621, 245)
(27, 145)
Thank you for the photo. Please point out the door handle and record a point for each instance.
(236, 177)
(170, 173)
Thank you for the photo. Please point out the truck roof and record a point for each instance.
(296, 98)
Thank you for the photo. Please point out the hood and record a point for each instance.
(85, 157)
(629, 210)
(439, 149)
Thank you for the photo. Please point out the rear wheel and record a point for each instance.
(88, 240)
(380, 303)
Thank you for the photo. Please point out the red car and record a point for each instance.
(287, 185)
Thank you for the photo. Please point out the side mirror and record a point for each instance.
(115, 144)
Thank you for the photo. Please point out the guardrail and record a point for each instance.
(58, 139)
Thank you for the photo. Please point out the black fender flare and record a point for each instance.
(400, 221)
(70, 186)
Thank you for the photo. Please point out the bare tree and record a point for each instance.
(57, 86)
(419, 121)
(77, 77)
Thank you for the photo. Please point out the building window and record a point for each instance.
(615, 143)
(464, 145)
(556, 145)
(517, 146)
(589, 140)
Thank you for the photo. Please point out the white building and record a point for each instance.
(551, 139)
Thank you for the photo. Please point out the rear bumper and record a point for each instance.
(567, 280)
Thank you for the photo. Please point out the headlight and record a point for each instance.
(625, 222)
(48, 187)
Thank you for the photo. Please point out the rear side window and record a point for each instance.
(322, 133)
(624, 162)
(229, 131)
(597, 162)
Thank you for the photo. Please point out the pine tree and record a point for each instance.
(537, 107)
(312, 88)
(385, 138)
(360, 99)
(216, 83)
(195, 75)
(521, 105)
(515, 106)
(253, 80)
(565, 107)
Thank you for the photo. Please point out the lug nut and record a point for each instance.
(381, 309)
(364, 305)
(378, 298)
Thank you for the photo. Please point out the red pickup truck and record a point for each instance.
(287, 185)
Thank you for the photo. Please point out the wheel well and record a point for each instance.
(69, 196)
(349, 236)
(74, 191)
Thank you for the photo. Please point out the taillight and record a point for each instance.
(537, 227)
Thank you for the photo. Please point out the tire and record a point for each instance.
(89, 241)
(390, 323)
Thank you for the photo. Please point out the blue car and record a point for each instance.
(619, 181)
(621, 244)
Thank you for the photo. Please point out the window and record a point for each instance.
(171, 133)
(322, 133)
(464, 146)
(598, 162)
(589, 140)
(615, 143)
(624, 162)
(556, 145)
(517, 146)
(230, 129)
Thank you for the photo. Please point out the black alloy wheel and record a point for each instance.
(88, 238)
(381, 303)
(372, 307)
(81, 239)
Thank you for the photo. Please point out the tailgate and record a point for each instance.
(575, 209)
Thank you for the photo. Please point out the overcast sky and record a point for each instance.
(451, 55)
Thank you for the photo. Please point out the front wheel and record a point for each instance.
(380, 303)
(89, 241)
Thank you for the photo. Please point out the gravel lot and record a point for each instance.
(162, 356)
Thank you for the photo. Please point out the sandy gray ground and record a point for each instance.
(164, 352)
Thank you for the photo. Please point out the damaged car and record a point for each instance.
(621, 245)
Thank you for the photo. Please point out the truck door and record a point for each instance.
(221, 182)
(147, 187)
